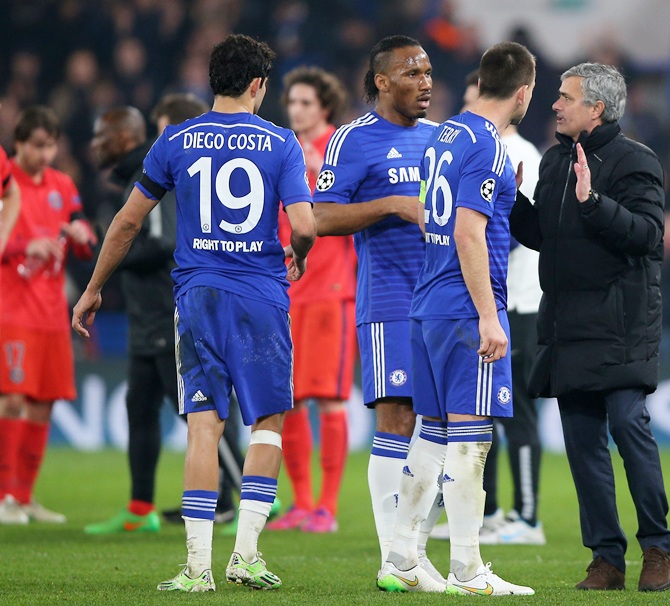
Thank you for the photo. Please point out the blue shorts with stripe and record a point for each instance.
(385, 361)
(449, 376)
(224, 340)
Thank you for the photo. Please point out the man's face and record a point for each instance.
(410, 81)
(304, 109)
(572, 115)
(37, 152)
(107, 144)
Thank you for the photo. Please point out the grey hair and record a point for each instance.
(601, 83)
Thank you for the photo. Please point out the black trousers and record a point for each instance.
(521, 430)
(150, 380)
(585, 417)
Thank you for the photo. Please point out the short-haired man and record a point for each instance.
(230, 169)
(119, 141)
(520, 525)
(461, 363)
(368, 187)
(598, 224)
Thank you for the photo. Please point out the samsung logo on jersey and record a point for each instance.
(404, 174)
(207, 140)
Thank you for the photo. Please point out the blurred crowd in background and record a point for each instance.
(82, 58)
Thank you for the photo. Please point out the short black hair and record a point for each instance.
(504, 69)
(178, 107)
(32, 118)
(329, 90)
(379, 58)
(235, 62)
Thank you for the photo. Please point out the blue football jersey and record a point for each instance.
(372, 158)
(229, 173)
(465, 164)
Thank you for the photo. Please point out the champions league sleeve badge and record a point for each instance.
(486, 190)
(325, 180)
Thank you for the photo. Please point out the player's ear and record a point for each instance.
(382, 82)
(256, 85)
(521, 94)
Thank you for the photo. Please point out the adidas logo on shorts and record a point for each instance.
(199, 397)
(393, 153)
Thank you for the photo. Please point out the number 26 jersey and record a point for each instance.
(229, 173)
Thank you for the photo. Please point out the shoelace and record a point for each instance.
(655, 557)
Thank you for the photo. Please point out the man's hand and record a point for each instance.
(405, 207)
(45, 249)
(85, 309)
(583, 187)
(79, 232)
(296, 268)
(519, 175)
(493, 340)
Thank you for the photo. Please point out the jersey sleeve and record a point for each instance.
(293, 185)
(481, 176)
(157, 169)
(344, 168)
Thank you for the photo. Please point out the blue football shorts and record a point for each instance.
(224, 340)
(449, 376)
(385, 361)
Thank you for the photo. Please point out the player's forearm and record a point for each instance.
(115, 246)
(301, 244)
(473, 256)
(345, 219)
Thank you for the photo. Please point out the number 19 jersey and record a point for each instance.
(465, 164)
(229, 173)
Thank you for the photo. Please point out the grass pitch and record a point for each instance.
(45, 564)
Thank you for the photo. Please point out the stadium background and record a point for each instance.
(83, 57)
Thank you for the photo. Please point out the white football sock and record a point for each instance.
(199, 544)
(387, 459)
(251, 520)
(463, 494)
(419, 487)
(433, 516)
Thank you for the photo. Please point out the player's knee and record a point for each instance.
(265, 436)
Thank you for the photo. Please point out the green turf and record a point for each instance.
(42, 564)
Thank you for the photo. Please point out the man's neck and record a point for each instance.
(35, 177)
(233, 105)
(386, 110)
(495, 111)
